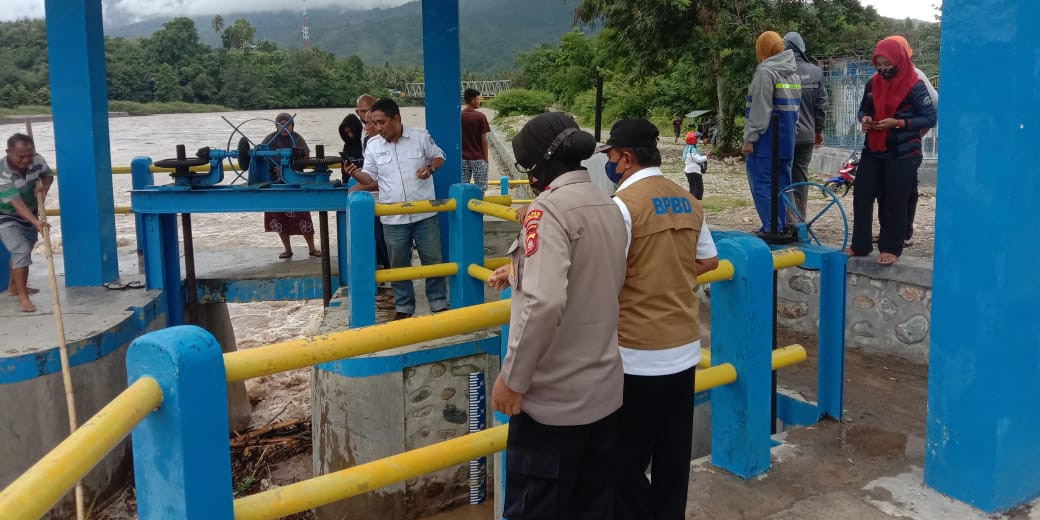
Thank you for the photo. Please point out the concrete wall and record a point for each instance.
(888, 308)
(828, 160)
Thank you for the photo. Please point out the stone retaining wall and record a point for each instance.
(888, 308)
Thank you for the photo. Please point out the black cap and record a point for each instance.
(631, 133)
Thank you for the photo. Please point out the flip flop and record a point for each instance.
(887, 259)
(851, 253)
(286, 254)
(316, 254)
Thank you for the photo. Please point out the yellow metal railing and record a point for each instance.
(300, 353)
(120, 210)
(417, 206)
(41, 486)
(317, 491)
(503, 200)
(782, 357)
(494, 210)
(326, 489)
(400, 274)
(511, 182)
(479, 272)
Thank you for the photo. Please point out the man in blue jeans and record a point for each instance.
(400, 162)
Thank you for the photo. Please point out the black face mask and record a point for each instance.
(889, 73)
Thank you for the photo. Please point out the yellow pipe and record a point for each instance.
(784, 258)
(721, 273)
(522, 201)
(782, 357)
(705, 358)
(494, 210)
(496, 262)
(479, 272)
(125, 170)
(120, 210)
(300, 353)
(318, 491)
(417, 206)
(718, 375)
(504, 200)
(38, 489)
(511, 181)
(399, 274)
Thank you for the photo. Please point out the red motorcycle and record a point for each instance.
(846, 176)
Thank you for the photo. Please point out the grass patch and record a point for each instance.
(720, 204)
(25, 110)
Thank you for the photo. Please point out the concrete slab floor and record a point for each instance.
(868, 466)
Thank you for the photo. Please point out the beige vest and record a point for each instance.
(658, 309)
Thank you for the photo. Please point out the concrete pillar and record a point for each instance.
(983, 414)
(214, 317)
(79, 99)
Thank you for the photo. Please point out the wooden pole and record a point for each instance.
(66, 369)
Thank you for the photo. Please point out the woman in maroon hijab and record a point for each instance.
(895, 108)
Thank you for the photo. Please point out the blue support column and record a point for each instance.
(79, 99)
(342, 257)
(141, 176)
(5, 271)
(466, 239)
(182, 460)
(361, 254)
(983, 411)
(504, 186)
(831, 370)
(443, 73)
(741, 334)
(162, 263)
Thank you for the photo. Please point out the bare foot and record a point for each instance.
(27, 306)
(28, 290)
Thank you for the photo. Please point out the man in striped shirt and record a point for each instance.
(23, 175)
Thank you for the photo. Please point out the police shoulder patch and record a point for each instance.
(532, 218)
(531, 242)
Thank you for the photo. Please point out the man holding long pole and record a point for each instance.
(23, 173)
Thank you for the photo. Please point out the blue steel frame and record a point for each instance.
(156, 210)
(983, 414)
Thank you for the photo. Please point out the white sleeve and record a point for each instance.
(705, 244)
(628, 223)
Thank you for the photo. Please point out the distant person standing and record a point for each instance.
(24, 175)
(812, 116)
(677, 128)
(911, 207)
(361, 108)
(774, 90)
(288, 223)
(474, 141)
(400, 163)
(693, 165)
(895, 108)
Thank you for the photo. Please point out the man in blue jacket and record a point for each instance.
(775, 89)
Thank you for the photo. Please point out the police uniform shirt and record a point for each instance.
(671, 360)
(393, 166)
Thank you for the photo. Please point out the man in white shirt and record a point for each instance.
(400, 162)
(669, 245)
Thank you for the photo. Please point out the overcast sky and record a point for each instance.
(920, 9)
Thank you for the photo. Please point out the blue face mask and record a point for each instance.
(612, 173)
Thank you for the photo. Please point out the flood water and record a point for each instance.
(157, 136)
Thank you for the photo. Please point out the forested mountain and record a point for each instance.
(491, 31)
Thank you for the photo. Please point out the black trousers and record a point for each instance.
(890, 183)
(655, 430)
(559, 472)
(800, 173)
(696, 185)
(911, 209)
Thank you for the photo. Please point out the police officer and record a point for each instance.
(659, 337)
(561, 379)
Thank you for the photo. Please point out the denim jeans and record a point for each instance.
(426, 235)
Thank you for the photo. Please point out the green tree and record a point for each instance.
(176, 43)
(217, 24)
(240, 35)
